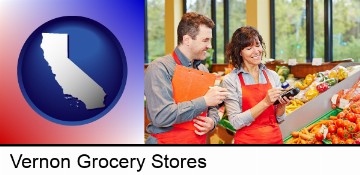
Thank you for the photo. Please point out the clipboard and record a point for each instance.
(189, 84)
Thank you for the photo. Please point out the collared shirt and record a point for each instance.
(161, 109)
(233, 102)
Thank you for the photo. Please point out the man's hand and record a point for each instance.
(203, 125)
(215, 95)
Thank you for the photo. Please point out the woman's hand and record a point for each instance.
(272, 95)
(280, 108)
(284, 101)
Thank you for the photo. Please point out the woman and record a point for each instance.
(253, 89)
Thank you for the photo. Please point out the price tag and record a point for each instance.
(292, 62)
(317, 61)
(334, 98)
(324, 130)
(343, 103)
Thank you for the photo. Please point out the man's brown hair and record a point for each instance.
(189, 25)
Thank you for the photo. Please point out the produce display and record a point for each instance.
(315, 84)
(309, 135)
(294, 104)
(345, 127)
(339, 126)
(342, 128)
(346, 96)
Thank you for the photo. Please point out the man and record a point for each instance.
(194, 39)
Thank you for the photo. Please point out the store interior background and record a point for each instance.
(291, 29)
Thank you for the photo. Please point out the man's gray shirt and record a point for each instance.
(161, 108)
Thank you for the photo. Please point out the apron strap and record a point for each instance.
(242, 82)
(176, 58)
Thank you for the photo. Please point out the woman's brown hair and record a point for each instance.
(242, 38)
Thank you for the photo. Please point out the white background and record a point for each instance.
(224, 160)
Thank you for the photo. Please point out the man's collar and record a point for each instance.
(183, 59)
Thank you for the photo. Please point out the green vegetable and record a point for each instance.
(331, 81)
(320, 74)
(283, 71)
(277, 68)
(324, 78)
(282, 78)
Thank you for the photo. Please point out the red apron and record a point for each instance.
(182, 133)
(264, 130)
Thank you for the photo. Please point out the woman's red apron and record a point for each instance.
(264, 130)
(183, 133)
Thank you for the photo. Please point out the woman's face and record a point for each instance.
(252, 54)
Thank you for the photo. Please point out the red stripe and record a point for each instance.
(176, 58)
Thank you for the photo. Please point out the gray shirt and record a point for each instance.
(237, 117)
(161, 109)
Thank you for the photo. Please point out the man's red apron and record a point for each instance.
(264, 130)
(182, 133)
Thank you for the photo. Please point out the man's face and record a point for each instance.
(201, 43)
